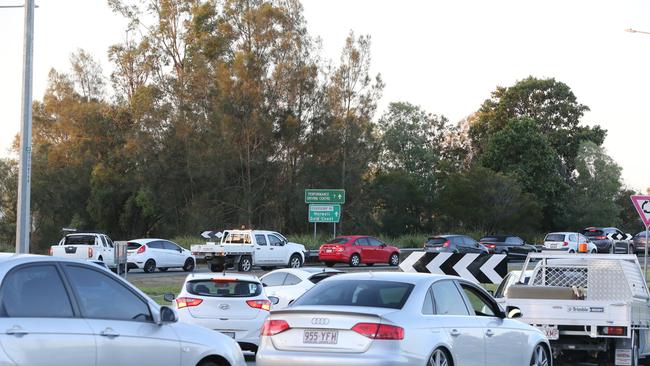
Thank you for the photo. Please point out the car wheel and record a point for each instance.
(439, 357)
(149, 266)
(355, 260)
(163, 269)
(245, 264)
(540, 356)
(189, 265)
(571, 251)
(295, 261)
(394, 259)
(329, 264)
(217, 267)
(594, 251)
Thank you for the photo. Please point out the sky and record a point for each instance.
(446, 56)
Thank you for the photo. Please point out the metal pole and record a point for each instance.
(314, 232)
(335, 230)
(23, 224)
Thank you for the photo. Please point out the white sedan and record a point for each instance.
(232, 304)
(62, 312)
(392, 319)
(149, 254)
(285, 285)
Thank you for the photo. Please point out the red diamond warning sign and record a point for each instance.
(642, 205)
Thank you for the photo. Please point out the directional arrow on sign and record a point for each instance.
(480, 268)
(462, 267)
(617, 236)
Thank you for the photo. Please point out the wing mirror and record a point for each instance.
(274, 300)
(167, 315)
(169, 297)
(513, 312)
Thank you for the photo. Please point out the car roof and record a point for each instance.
(448, 236)
(228, 275)
(562, 233)
(145, 241)
(12, 259)
(408, 277)
(304, 272)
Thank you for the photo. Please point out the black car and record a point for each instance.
(453, 244)
(639, 242)
(598, 236)
(511, 245)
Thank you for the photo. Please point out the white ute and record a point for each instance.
(90, 246)
(248, 248)
(597, 304)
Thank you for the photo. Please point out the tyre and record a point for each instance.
(355, 260)
(329, 264)
(295, 261)
(540, 356)
(594, 251)
(394, 259)
(440, 357)
(571, 251)
(149, 266)
(189, 265)
(216, 267)
(163, 269)
(245, 264)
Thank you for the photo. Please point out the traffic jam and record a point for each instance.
(455, 301)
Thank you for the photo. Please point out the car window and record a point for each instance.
(362, 241)
(447, 299)
(291, 280)
(155, 245)
(436, 242)
(79, 240)
(369, 293)
(478, 302)
(274, 279)
(554, 237)
(469, 242)
(427, 306)
(338, 241)
(171, 246)
(275, 241)
(103, 239)
(220, 287)
(109, 242)
(514, 240)
(34, 292)
(572, 238)
(457, 241)
(374, 242)
(132, 246)
(260, 239)
(103, 297)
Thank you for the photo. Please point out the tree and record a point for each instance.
(399, 203)
(483, 200)
(8, 203)
(628, 219)
(598, 185)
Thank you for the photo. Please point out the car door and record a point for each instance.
(277, 250)
(157, 251)
(381, 253)
(498, 335)
(121, 321)
(516, 246)
(573, 242)
(174, 253)
(273, 283)
(458, 244)
(38, 322)
(109, 256)
(471, 245)
(262, 250)
(466, 336)
(367, 251)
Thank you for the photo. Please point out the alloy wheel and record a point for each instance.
(295, 262)
(355, 260)
(540, 357)
(438, 358)
(394, 260)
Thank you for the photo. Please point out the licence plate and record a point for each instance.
(228, 334)
(552, 333)
(328, 250)
(320, 337)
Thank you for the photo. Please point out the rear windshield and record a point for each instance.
(79, 240)
(223, 288)
(379, 294)
(338, 241)
(493, 239)
(321, 276)
(592, 232)
(554, 237)
(131, 246)
(436, 242)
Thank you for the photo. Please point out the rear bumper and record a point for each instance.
(267, 355)
(247, 331)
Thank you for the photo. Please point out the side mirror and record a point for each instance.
(274, 300)
(169, 297)
(167, 315)
(513, 312)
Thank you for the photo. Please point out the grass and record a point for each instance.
(156, 291)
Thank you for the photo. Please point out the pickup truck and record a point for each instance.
(598, 304)
(90, 246)
(248, 248)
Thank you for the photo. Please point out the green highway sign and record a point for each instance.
(325, 196)
(324, 213)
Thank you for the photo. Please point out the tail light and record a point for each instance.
(491, 246)
(51, 251)
(90, 252)
(273, 327)
(565, 244)
(339, 249)
(379, 331)
(187, 302)
(260, 304)
(600, 238)
(613, 331)
(446, 244)
(141, 249)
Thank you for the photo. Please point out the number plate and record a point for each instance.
(320, 337)
(552, 333)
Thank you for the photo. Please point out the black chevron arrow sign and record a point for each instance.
(617, 236)
(480, 268)
(210, 234)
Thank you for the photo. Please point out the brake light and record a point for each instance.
(273, 327)
(565, 244)
(339, 249)
(187, 302)
(379, 331)
(446, 244)
(224, 280)
(260, 304)
(141, 249)
(491, 246)
(90, 252)
(600, 238)
(613, 331)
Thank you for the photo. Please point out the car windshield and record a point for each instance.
(132, 246)
(554, 237)
(367, 293)
(338, 241)
(79, 240)
(436, 242)
(219, 287)
(592, 232)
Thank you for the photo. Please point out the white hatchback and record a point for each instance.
(232, 304)
(285, 285)
(149, 254)
(569, 242)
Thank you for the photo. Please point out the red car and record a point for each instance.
(357, 249)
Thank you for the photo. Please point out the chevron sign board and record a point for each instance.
(211, 235)
(479, 268)
(617, 236)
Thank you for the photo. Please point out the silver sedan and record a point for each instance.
(390, 319)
